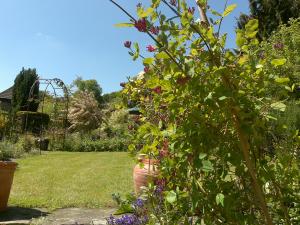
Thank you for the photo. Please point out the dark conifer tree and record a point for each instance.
(21, 91)
(270, 13)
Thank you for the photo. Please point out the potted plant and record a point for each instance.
(7, 169)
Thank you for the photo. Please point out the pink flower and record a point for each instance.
(154, 30)
(151, 48)
(127, 44)
(141, 25)
(191, 10)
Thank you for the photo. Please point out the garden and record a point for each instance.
(206, 134)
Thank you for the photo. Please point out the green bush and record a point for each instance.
(34, 122)
(104, 145)
(3, 123)
(9, 150)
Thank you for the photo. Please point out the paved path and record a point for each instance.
(70, 216)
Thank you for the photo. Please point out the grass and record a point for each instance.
(64, 179)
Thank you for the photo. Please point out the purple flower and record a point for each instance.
(154, 30)
(127, 44)
(127, 220)
(278, 46)
(141, 25)
(262, 55)
(110, 220)
(173, 2)
(146, 69)
(191, 10)
(139, 203)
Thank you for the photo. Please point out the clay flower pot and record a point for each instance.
(7, 170)
(145, 174)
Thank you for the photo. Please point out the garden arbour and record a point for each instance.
(58, 114)
(213, 105)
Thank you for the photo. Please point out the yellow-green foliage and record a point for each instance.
(3, 121)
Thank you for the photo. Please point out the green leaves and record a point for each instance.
(252, 25)
(251, 28)
(282, 80)
(124, 25)
(207, 166)
(137, 51)
(278, 62)
(220, 199)
(162, 55)
(240, 39)
(144, 13)
(229, 9)
(171, 197)
(148, 61)
(278, 106)
(202, 155)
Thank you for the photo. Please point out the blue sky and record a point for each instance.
(69, 38)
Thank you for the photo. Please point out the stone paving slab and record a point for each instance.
(69, 216)
(75, 216)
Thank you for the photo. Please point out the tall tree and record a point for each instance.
(21, 91)
(91, 86)
(270, 13)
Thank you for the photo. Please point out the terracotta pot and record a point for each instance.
(7, 170)
(145, 174)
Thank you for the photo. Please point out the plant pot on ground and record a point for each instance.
(7, 170)
(144, 172)
(42, 143)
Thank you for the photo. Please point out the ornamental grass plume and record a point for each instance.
(85, 114)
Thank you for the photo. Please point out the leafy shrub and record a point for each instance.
(9, 150)
(26, 143)
(206, 113)
(283, 45)
(3, 123)
(32, 121)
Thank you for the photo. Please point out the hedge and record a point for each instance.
(32, 121)
(102, 145)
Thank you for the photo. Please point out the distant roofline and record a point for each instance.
(7, 94)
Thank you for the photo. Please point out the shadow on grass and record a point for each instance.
(18, 213)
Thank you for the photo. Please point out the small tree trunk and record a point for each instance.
(245, 147)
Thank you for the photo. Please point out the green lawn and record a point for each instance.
(63, 179)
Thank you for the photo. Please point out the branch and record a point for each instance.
(202, 11)
(192, 25)
(150, 35)
(219, 28)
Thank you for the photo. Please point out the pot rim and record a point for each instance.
(8, 164)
